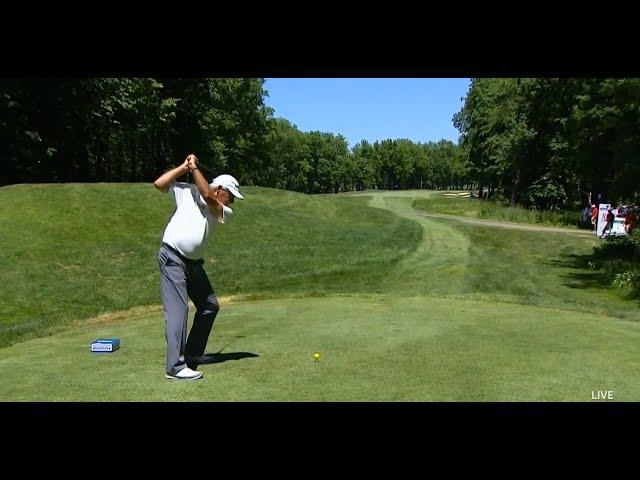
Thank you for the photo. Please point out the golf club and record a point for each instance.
(208, 170)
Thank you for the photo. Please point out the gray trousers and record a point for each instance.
(179, 278)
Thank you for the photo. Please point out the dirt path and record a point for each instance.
(515, 226)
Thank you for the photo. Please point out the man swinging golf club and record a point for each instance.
(180, 260)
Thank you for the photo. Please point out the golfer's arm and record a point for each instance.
(164, 181)
(207, 194)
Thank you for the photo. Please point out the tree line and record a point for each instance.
(538, 142)
(132, 129)
(550, 142)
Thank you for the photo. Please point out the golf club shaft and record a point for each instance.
(208, 170)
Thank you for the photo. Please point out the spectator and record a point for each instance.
(628, 220)
(609, 225)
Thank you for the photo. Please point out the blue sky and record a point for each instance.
(419, 109)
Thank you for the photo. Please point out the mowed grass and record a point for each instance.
(464, 261)
(75, 251)
(376, 348)
(442, 310)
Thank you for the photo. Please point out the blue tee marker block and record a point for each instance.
(105, 345)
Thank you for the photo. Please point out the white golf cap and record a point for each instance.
(228, 182)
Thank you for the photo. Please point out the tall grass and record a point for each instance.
(481, 208)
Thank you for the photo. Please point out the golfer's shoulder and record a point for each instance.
(179, 188)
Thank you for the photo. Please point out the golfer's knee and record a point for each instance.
(210, 306)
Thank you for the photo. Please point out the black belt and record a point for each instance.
(180, 256)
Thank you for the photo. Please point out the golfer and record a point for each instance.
(198, 207)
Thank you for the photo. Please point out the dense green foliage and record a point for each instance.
(133, 129)
(549, 142)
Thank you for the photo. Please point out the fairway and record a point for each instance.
(400, 306)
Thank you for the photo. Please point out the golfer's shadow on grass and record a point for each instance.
(220, 357)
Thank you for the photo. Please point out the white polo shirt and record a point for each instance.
(192, 221)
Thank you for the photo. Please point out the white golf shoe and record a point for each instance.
(184, 374)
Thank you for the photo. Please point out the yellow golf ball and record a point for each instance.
(316, 356)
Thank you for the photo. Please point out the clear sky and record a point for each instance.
(420, 109)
